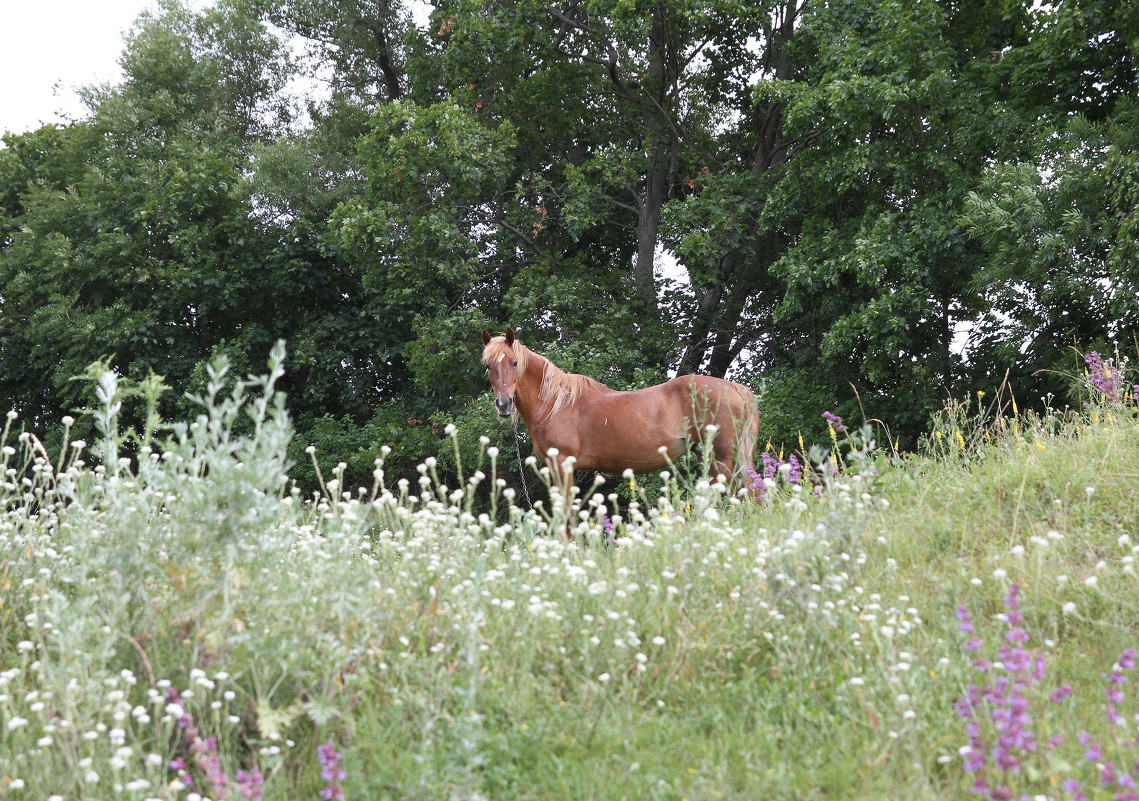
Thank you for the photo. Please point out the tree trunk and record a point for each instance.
(658, 144)
(720, 311)
(708, 300)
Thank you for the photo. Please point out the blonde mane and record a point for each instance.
(559, 389)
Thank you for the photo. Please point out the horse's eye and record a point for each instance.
(514, 364)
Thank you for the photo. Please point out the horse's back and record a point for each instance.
(719, 393)
(610, 430)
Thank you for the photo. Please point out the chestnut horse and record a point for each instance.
(594, 427)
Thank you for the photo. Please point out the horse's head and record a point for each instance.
(504, 358)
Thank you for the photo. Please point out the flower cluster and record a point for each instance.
(330, 771)
(998, 719)
(1105, 378)
(1002, 728)
(774, 468)
(834, 422)
(205, 757)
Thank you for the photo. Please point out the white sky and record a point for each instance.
(71, 43)
(50, 48)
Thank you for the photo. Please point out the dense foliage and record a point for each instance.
(849, 189)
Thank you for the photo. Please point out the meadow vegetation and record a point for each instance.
(176, 621)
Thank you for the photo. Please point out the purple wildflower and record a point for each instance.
(607, 527)
(1062, 693)
(795, 474)
(175, 697)
(249, 785)
(1012, 604)
(1104, 377)
(974, 759)
(206, 761)
(1127, 659)
(331, 771)
(770, 465)
(216, 777)
(773, 467)
(1093, 753)
(1017, 635)
(834, 421)
(966, 624)
(998, 715)
(756, 478)
(1107, 774)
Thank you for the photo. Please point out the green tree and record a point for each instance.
(1057, 223)
(138, 243)
(848, 185)
(356, 45)
(856, 266)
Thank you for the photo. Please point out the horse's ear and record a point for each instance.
(485, 337)
(509, 335)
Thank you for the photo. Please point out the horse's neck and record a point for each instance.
(528, 390)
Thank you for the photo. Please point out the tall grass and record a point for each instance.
(176, 621)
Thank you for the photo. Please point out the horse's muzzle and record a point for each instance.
(505, 406)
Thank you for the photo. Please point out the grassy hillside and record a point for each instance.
(177, 624)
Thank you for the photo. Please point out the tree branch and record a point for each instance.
(613, 61)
